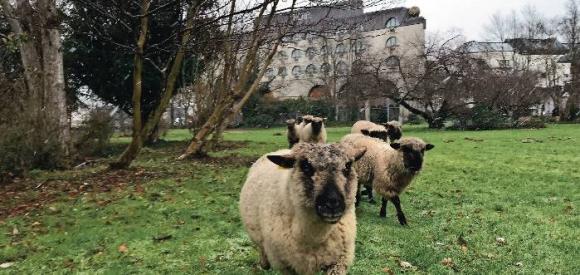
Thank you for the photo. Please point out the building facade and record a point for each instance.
(318, 55)
(540, 55)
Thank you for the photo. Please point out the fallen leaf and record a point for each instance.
(6, 265)
(447, 262)
(162, 237)
(123, 248)
(519, 264)
(464, 248)
(15, 231)
(388, 271)
(404, 264)
(35, 224)
(500, 241)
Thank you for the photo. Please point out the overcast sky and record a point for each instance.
(471, 15)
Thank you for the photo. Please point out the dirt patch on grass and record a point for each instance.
(25, 195)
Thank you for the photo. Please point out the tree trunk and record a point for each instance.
(37, 29)
(133, 149)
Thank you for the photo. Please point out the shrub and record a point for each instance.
(94, 134)
(481, 117)
(414, 119)
(530, 122)
(263, 112)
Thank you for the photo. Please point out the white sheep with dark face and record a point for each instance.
(298, 208)
(388, 168)
(389, 132)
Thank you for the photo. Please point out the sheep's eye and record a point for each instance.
(347, 169)
(306, 168)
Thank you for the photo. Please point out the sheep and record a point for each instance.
(389, 131)
(394, 129)
(292, 132)
(370, 129)
(298, 208)
(388, 168)
(313, 132)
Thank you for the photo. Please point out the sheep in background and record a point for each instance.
(370, 129)
(292, 132)
(394, 130)
(388, 168)
(298, 208)
(313, 132)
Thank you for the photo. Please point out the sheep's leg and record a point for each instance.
(357, 197)
(383, 213)
(264, 263)
(400, 215)
(336, 269)
(370, 194)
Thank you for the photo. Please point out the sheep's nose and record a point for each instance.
(332, 203)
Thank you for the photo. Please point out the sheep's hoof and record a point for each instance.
(402, 219)
(383, 214)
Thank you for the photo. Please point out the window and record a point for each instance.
(270, 73)
(325, 68)
(310, 70)
(358, 47)
(504, 63)
(392, 62)
(282, 72)
(296, 71)
(324, 50)
(340, 49)
(311, 53)
(392, 23)
(296, 54)
(392, 42)
(341, 68)
(282, 55)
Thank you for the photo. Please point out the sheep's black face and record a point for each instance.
(394, 133)
(413, 154)
(326, 178)
(316, 126)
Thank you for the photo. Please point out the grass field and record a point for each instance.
(487, 202)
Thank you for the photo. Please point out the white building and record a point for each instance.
(317, 57)
(540, 55)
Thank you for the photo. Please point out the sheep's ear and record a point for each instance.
(365, 132)
(285, 161)
(429, 146)
(359, 153)
(396, 145)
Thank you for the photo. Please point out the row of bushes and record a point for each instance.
(264, 113)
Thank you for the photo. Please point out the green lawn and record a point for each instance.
(166, 216)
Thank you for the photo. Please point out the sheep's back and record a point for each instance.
(262, 192)
(360, 125)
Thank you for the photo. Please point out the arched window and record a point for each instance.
(310, 70)
(341, 68)
(296, 71)
(324, 50)
(392, 62)
(282, 55)
(340, 49)
(311, 53)
(296, 54)
(282, 72)
(325, 68)
(270, 73)
(392, 23)
(392, 42)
